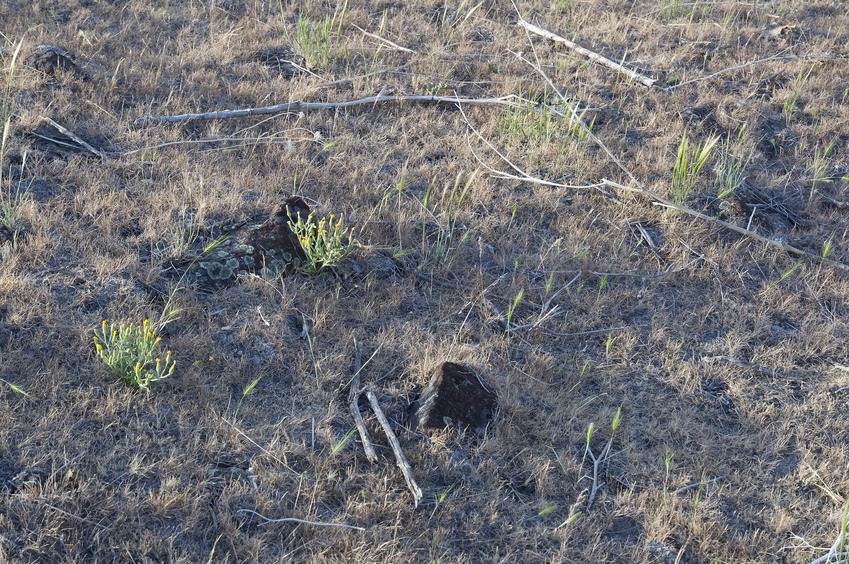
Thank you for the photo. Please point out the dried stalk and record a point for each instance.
(266, 520)
(354, 398)
(591, 55)
(396, 447)
(307, 106)
(384, 40)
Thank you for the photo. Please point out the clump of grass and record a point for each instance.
(438, 246)
(12, 201)
(130, 353)
(731, 168)
(530, 122)
(316, 41)
(325, 242)
(688, 165)
(820, 163)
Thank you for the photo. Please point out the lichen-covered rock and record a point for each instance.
(456, 396)
(267, 249)
(47, 59)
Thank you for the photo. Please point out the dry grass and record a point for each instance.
(255, 415)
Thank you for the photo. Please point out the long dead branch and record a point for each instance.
(299, 106)
(591, 55)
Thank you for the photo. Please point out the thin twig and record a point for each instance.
(396, 447)
(307, 106)
(749, 365)
(830, 200)
(597, 462)
(778, 57)
(257, 445)
(384, 40)
(698, 484)
(558, 292)
(836, 550)
(75, 137)
(77, 517)
(827, 559)
(593, 56)
(354, 399)
(301, 521)
(590, 332)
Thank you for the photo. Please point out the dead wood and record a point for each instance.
(299, 106)
(354, 398)
(591, 55)
(406, 470)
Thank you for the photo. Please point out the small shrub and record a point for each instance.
(130, 353)
(325, 242)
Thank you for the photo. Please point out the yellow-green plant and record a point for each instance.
(688, 165)
(130, 353)
(325, 242)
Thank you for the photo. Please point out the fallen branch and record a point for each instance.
(396, 446)
(70, 135)
(778, 57)
(640, 189)
(597, 462)
(301, 521)
(354, 398)
(591, 55)
(307, 106)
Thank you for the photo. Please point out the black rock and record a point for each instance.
(456, 397)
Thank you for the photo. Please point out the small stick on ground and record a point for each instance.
(396, 447)
(266, 520)
(597, 461)
(591, 55)
(697, 485)
(354, 398)
(384, 40)
(749, 365)
(76, 138)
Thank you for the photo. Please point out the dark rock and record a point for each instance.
(48, 59)
(455, 396)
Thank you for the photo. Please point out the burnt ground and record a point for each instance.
(726, 353)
